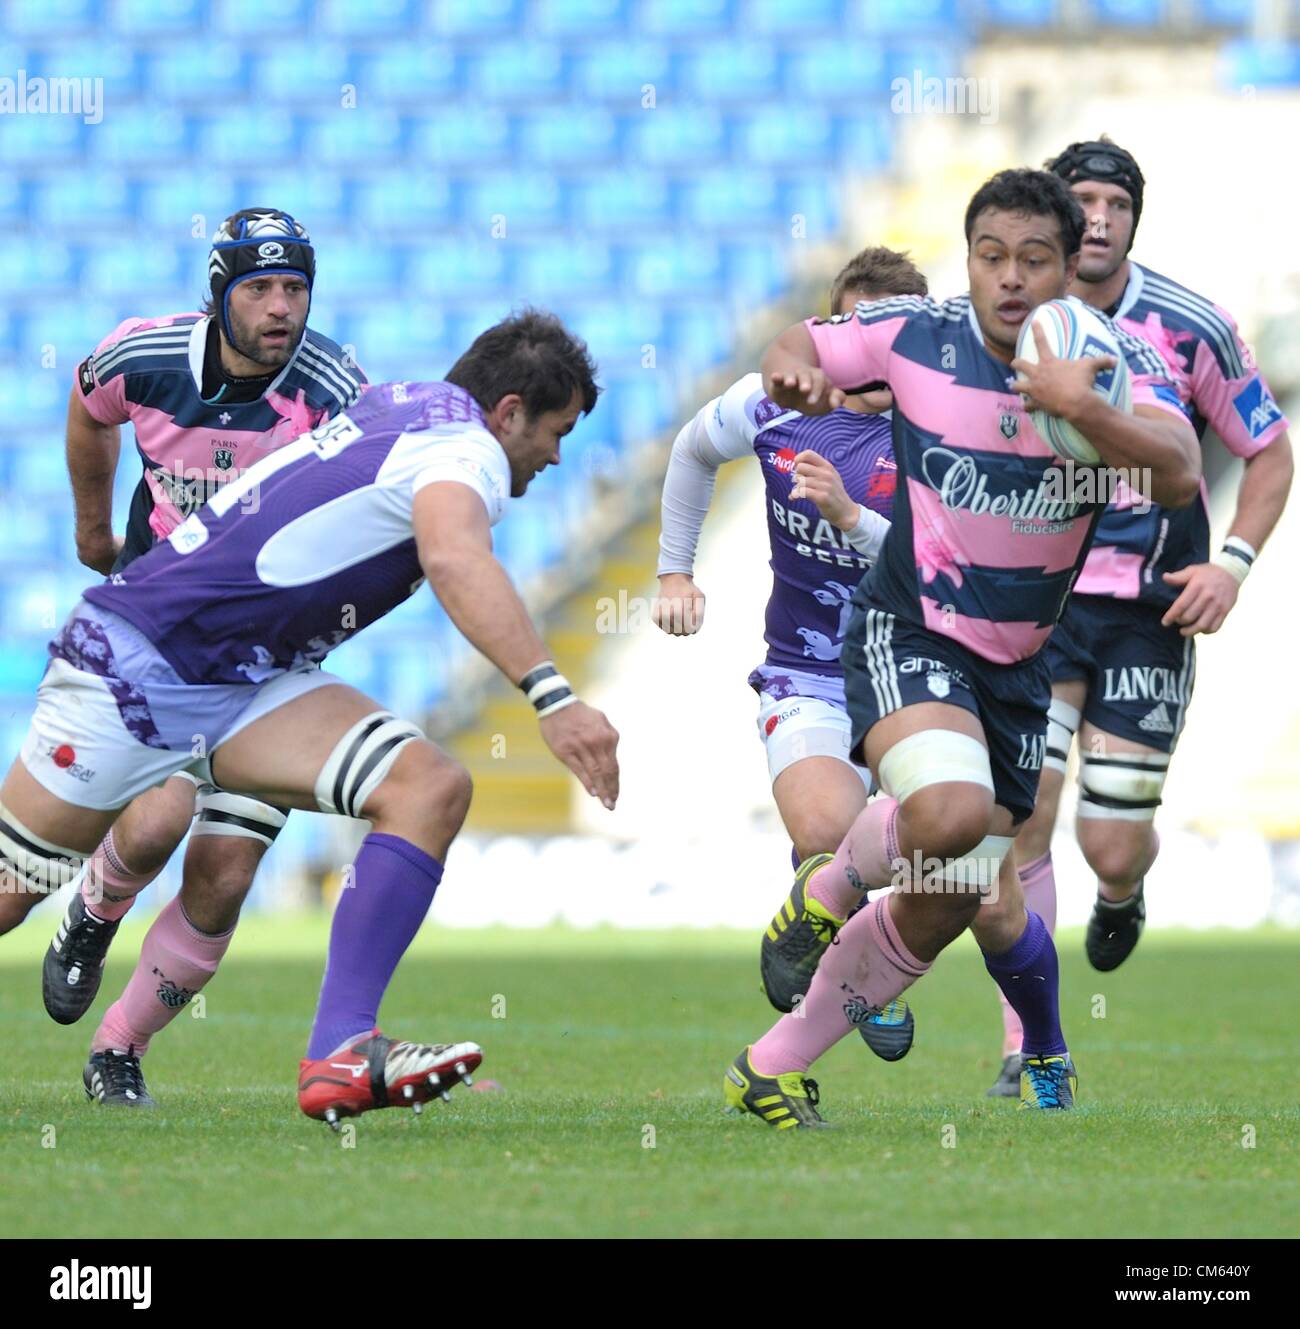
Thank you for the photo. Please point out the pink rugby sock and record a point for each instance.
(1038, 882)
(869, 966)
(110, 887)
(176, 960)
(864, 859)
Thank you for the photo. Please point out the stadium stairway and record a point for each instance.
(519, 787)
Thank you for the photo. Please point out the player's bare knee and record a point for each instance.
(221, 869)
(425, 784)
(818, 834)
(947, 821)
(145, 837)
(1119, 860)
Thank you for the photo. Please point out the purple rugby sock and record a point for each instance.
(1029, 978)
(375, 920)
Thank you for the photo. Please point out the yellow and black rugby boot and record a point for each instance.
(784, 1101)
(887, 1030)
(1048, 1083)
(796, 939)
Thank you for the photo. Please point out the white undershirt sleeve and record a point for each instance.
(869, 534)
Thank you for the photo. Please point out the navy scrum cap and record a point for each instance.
(251, 243)
(1098, 160)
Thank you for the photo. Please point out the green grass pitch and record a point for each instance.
(610, 1050)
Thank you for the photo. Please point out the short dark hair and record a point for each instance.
(882, 272)
(1036, 193)
(530, 353)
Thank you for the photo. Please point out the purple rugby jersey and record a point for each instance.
(313, 543)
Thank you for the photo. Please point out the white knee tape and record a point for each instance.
(359, 762)
(39, 865)
(934, 756)
(1062, 725)
(221, 813)
(978, 870)
(1123, 787)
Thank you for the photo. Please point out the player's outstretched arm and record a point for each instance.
(793, 376)
(454, 540)
(92, 451)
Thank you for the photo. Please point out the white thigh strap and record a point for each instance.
(40, 865)
(221, 813)
(934, 756)
(359, 762)
(1062, 724)
(1126, 786)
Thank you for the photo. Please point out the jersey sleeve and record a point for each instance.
(1230, 392)
(1148, 374)
(733, 420)
(468, 458)
(854, 348)
(102, 382)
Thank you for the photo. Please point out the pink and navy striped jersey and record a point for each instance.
(149, 371)
(984, 545)
(1220, 388)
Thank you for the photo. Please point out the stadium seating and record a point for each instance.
(617, 160)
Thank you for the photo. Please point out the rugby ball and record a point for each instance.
(1074, 330)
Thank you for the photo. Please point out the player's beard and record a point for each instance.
(244, 340)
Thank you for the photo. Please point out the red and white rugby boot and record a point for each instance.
(376, 1072)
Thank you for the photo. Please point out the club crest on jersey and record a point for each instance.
(223, 458)
(1009, 424)
(767, 410)
(938, 684)
(1256, 408)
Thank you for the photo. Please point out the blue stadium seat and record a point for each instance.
(22, 665)
(482, 20)
(788, 18)
(620, 200)
(730, 197)
(733, 71)
(616, 331)
(451, 138)
(834, 71)
(398, 73)
(139, 135)
(906, 16)
(412, 332)
(41, 140)
(130, 271)
(260, 18)
(520, 71)
(17, 201)
(320, 200)
(455, 266)
(865, 141)
(357, 269)
(815, 199)
(407, 201)
(755, 270)
(935, 59)
(177, 201)
(580, 19)
(675, 136)
(684, 18)
(1260, 65)
(620, 71)
(568, 136)
(312, 73)
(522, 199)
(376, 18)
(55, 18)
(637, 408)
(545, 270)
(466, 319)
(156, 18)
(112, 61)
(1018, 13)
(341, 139)
(42, 470)
(1126, 13)
(1226, 13)
(74, 326)
(35, 264)
(79, 200)
(200, 72)
(699, 338)
(243, 136)
(683, 265)
(786, 135)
